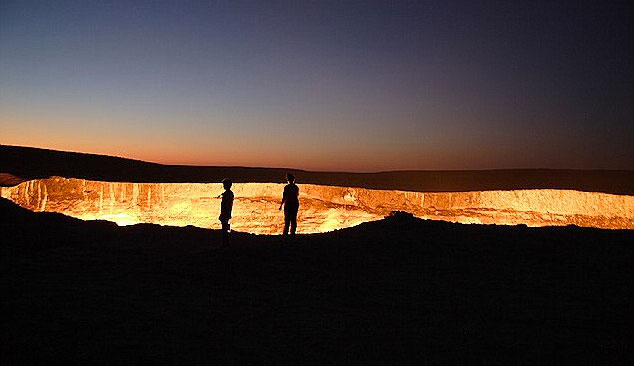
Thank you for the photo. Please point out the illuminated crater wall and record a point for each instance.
(323, 208)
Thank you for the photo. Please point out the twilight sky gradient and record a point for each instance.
(354, 85)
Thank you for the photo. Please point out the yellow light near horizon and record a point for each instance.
(323, 208)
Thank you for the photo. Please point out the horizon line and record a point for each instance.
(303, 169)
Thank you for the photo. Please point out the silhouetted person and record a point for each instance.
(290, 201)
(225, 210)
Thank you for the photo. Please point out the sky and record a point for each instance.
(323, 85)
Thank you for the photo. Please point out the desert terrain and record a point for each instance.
(397, 289)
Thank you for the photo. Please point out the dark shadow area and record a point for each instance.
(31, 163)
(396, 290)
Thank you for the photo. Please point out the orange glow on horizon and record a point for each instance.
(103, 137)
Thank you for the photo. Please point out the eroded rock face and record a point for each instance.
(323, 208)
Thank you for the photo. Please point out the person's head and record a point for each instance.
(290, 178)
(227, 183)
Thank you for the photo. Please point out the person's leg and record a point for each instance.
(293, 225)
(225, 232)
(287, 221)
(224, 225)
(290, 214)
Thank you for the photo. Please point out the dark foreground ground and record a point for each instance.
(400, 290)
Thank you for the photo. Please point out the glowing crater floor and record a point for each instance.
(323, 208)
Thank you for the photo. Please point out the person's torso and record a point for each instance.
(227, 202)
(291, 194)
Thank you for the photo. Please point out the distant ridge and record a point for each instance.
(32, 163)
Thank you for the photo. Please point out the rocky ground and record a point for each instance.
(396, 290)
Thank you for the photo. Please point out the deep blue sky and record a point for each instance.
(357, 85)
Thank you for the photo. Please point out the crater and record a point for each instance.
(322, 208)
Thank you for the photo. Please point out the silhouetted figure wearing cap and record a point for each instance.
(290, 201)
(226, 205)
